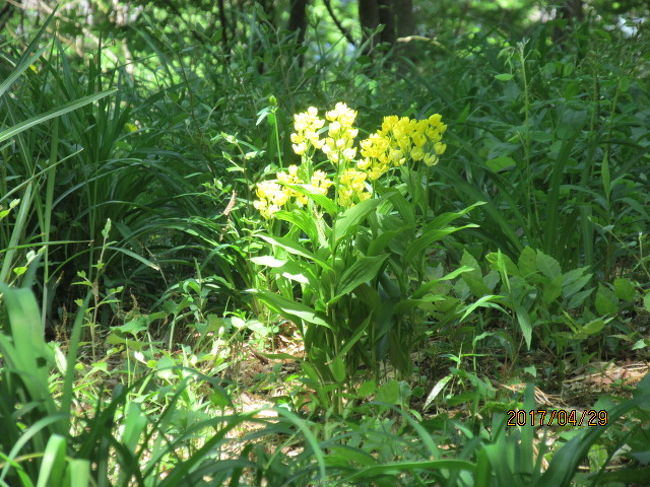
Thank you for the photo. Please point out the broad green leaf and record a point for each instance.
(483, 302)
(502, 163)
(290, 309)
(363, 270)
(337, 367)
(367, 388)
(427, 286)
(268, 261)
(323, 201)
(474, 277)
(389, 392)
(574, 281)
(502, 263)
(527, 262)
(606, 301)
(593, 327)
(548, 265)
(571, 123)
(424, 241)
(624, 289)
(504, 76)
(53, 463)
(346, 221)
(294, 248)
(302, 219)
(300, 272)
(552, 289)
(646, 301)
(356, 337)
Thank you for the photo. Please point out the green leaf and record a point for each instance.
(606, 301)
(527, 262)
(268, 261)
(593, 327)
(295, 248)
(363, 270)
(473, 278)
(323, 201)
(523, 318)
(624, 289)
(367, 388)
(424, 241)
(56, 112)
(346, 221)
(302, 220)
(504, 76)
(290, 309)
(389, 392)
(502, 163)
(483, 302)
(437, 389)
(337, 367)
(427, 286)
(297, 271)
(552, 290)
(646, 301)
(548, 265)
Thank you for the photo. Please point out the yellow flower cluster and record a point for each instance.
(340, 134)
(307, 125)
(273, 196)
(398, 140)
(352, 187)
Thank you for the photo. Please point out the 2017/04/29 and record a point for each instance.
(559, 417)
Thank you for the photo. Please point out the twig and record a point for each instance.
(345, 33)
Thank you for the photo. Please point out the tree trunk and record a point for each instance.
(298, 19)
(387, 18)
(571, 11)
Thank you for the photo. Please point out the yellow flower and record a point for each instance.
(306, 126)
(320, 182)
(271, 198)
(342, 114)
